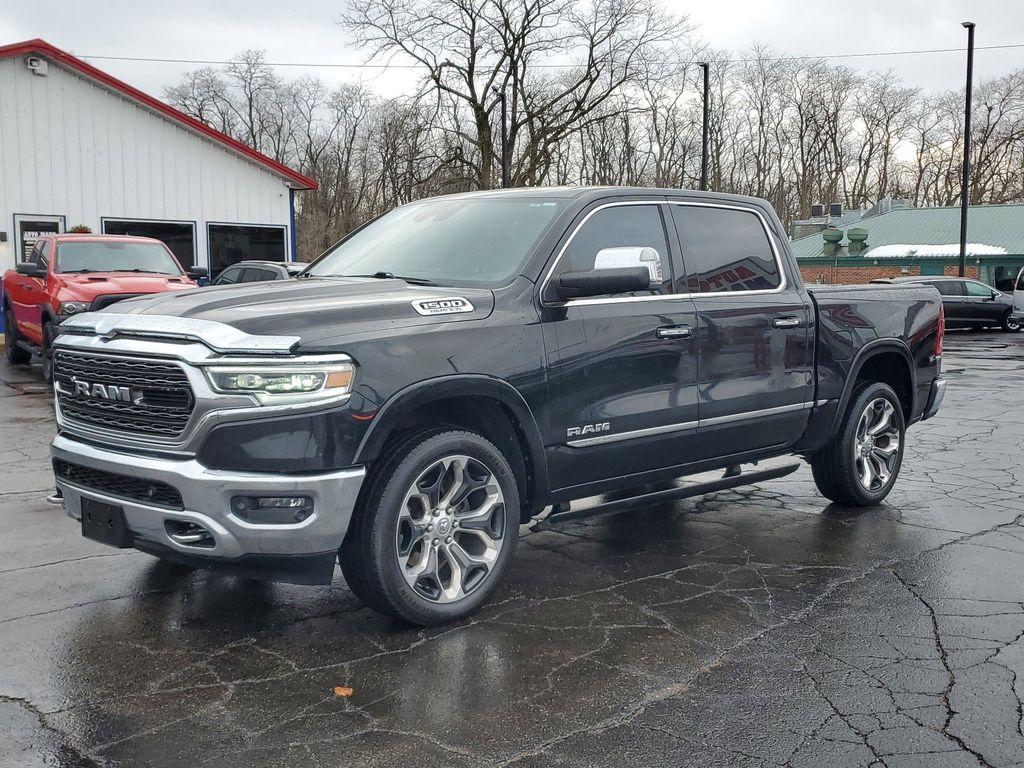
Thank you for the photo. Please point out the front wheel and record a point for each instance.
(435, 531)
(15, 354)
(47, 351)
(1011, 324)
(859, 467)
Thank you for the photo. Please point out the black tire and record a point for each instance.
(46, 351)
(835, 467)
(369, 556)
(1010, 325)
(15, 355)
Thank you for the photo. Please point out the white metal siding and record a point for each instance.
(69, 146)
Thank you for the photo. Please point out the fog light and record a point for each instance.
(272, 510)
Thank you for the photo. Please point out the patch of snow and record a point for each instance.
(903, 250)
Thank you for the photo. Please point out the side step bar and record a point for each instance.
(562, 514)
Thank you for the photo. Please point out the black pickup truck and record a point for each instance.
(463, 364)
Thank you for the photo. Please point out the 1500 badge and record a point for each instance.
(452, 306)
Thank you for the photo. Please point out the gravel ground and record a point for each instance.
(754, 627)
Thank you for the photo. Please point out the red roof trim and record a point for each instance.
(45, 49)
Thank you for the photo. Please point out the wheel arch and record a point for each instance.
(885, 360)
(485, 404)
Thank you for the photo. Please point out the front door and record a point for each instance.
(28, 294)
(1018, 294)
(981, 304)
(754, 325)
(622, 369)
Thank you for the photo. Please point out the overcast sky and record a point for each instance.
(306, 31)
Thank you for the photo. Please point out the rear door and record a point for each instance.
(622, 370)
(754, 326)
(954, 302)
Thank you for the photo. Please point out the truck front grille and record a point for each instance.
(121, 486)
(111, 298)
(159, 402)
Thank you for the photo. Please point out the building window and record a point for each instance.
(230, 243)
(179, 236)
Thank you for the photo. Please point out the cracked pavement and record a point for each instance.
(754, 627)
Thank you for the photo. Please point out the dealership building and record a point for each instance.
(79, 147)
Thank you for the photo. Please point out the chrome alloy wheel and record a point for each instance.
(450, 529)
(877, 444)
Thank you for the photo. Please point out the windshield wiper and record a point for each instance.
(392, 276)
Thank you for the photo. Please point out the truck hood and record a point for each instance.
(86, 287)
(317, 308)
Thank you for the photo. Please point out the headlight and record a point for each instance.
(73, 307)
(272, 384)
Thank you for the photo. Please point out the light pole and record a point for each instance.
(500, 93)
(965, 182)
(704, 129)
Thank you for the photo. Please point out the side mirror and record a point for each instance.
(31, 269)
(195, 272)
(630, 256)
(602, 282)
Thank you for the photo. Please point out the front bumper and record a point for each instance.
(300, 552)
(935, 397)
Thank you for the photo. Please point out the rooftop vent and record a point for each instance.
(836, 209)
(817, 210)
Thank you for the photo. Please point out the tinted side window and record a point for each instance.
(255, 274)
(977, 289)
(619, 236)
(949, 287)
(1020, 281)
(725, 250)
(43, 255)
(229, 276)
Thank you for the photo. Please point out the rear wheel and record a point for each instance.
(436, 530)
(15, 355)
(859, 467)
(1011, 324)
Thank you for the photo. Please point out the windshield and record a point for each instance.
(105, 256)
(475, 242)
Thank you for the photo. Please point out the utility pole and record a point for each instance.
(965, 185)
(500, 93)
(704, 129)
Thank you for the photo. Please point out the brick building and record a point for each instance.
(916, 241)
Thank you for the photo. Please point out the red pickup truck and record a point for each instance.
(68, 274)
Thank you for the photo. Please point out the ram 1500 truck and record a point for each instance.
(70, 273)
(455, 367)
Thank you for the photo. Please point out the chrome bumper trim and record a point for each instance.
(207, 493)
(935, 399)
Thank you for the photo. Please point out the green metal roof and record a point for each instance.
(1001, 226)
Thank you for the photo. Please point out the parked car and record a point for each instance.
(1018, 298)
(968, 303)
(451, 369)
(67, 274)
(256, 271)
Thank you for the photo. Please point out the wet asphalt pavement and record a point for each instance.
(751, 628)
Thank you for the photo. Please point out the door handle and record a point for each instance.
(674, 332)
(787, 322)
